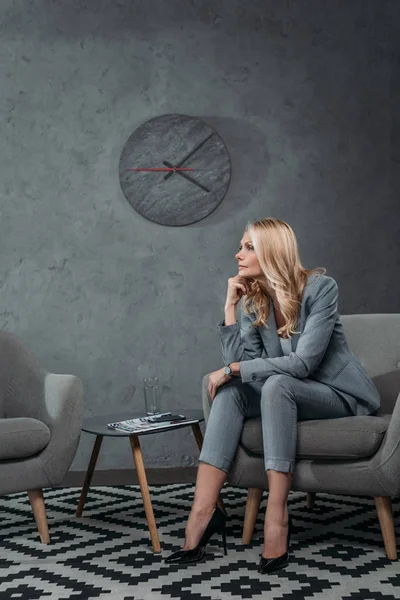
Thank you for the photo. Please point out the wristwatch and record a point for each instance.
(227, 370)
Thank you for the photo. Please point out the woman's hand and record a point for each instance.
(237, 287)
(216, 379)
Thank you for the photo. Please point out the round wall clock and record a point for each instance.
(174, 170)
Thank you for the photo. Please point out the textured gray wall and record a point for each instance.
(305, 95)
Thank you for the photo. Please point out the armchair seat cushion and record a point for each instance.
(22, 437)
(341, 439)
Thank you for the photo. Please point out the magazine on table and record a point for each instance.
(157, 421)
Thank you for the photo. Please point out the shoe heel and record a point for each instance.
(216, 525)
(224, 543)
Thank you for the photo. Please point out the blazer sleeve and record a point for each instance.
(312, 343)
(240, 341)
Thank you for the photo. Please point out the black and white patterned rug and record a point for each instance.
(337, 550)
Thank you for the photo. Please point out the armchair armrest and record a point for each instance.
(62, 413)
(388, 386)
(386, 462)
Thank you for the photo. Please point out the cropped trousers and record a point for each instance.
(281, 401)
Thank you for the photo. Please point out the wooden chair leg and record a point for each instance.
(253, 502)
(385, 515)
(39, 512)
(310, 499)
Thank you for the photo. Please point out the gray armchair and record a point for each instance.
(351, 455)
(40, 425)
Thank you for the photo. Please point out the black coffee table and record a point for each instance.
(98, 427)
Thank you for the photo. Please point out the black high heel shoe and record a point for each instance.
(217, 524)
(272, 565)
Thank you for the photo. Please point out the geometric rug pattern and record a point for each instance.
(336, 550)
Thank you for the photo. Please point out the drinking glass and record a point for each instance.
(151, 395)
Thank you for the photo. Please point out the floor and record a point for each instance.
(336, 551)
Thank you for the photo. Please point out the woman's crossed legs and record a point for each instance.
(281, 401)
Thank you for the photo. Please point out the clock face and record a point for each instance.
(174, 170)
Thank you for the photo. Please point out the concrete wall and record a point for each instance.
(305, 95)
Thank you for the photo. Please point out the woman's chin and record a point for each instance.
(244, 272)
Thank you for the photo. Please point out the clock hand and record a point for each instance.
(191, 153)
(162, 169)
(203, 187)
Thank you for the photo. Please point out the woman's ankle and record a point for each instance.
(201, 511)
(196, 526)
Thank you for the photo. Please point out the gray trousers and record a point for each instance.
(281, 401)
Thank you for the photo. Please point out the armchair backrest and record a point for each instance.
(375, 340)
(21, 379)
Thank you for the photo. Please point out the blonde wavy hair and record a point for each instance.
(276, 249)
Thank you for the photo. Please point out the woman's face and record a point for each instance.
(248, 264)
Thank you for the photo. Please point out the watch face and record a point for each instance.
(174, 170)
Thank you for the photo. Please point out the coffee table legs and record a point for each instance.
(141, 473)
(199, 439)
(144, 488)
(89, 474)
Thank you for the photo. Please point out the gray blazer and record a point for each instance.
(319, 350)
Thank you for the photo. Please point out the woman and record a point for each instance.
(291, 314)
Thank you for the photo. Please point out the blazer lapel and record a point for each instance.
(299, 327)
(271, 338)
(270, 335)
